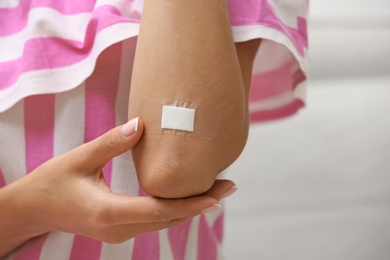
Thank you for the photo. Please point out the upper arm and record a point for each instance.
(189, 70)
(178, 165)
(246, 52)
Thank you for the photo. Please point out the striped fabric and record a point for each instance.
(65, 70)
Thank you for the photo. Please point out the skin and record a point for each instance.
(185, 52)
(167, 166)
(68, 193)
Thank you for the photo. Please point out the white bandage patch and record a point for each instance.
(178, 118)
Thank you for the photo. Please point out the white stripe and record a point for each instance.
(123, 176)
(250, 32)
(117, 251)
(118, 4)
(300, 91)
(270, 57)
(126, 67)
(165, 246)
(9, 3)
(125, 7)
(62, 79)
(272, 103)
(279, 101)
(220, 252)
(191, 252)
(44, 22)
(12, 142)
(288, 10)
(68, 134)
(58, 245)
(69, 120)
(213, 216)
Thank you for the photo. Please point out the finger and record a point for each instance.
(113, 143)
(122, 209)
(220, 189)
(122, 233)
(150, 227)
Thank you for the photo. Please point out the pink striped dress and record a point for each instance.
(65, 70)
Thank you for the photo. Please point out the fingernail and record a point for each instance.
(211, 208)
(130, 127)
(229, 192)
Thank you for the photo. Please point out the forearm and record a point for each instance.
(68, 193)
(16, 221)
(185, 46)
(185, 54)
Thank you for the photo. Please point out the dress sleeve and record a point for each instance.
(52, 46)
(281, 65)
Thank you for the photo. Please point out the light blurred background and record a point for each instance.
(317, 186)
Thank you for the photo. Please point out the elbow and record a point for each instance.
(177, 167)
(175, 180)
(168, 167)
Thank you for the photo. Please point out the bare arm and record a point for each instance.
(68, 193)
(186, 55)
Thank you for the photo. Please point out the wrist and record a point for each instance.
(18, 222)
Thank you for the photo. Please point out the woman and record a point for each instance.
(66, 70)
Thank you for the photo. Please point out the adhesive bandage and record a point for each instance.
(180, 118)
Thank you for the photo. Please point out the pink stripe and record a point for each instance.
(261, 12)
(39, 129)
(278, 113)
(272, 83)
(298, 77)
(178, 237)
(41, 54)
(146, 247)
(101, 92)
(218, 227)
(48, 53)
(207, 242)
(100, 96)
(39, 134)
(13, 20)
(2, 179)
(32, 249)
(85, 248)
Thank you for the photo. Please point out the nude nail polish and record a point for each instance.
(229, 192)
(211, 208)
(130, 127)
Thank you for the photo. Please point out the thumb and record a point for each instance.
(113, 143)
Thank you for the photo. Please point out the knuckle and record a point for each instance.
(101, 217)
(186, 205)
(112, 238)
(108, 141)
(158, 215)
(116, 234)
(176, 222)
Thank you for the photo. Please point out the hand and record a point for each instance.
(69, 193)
